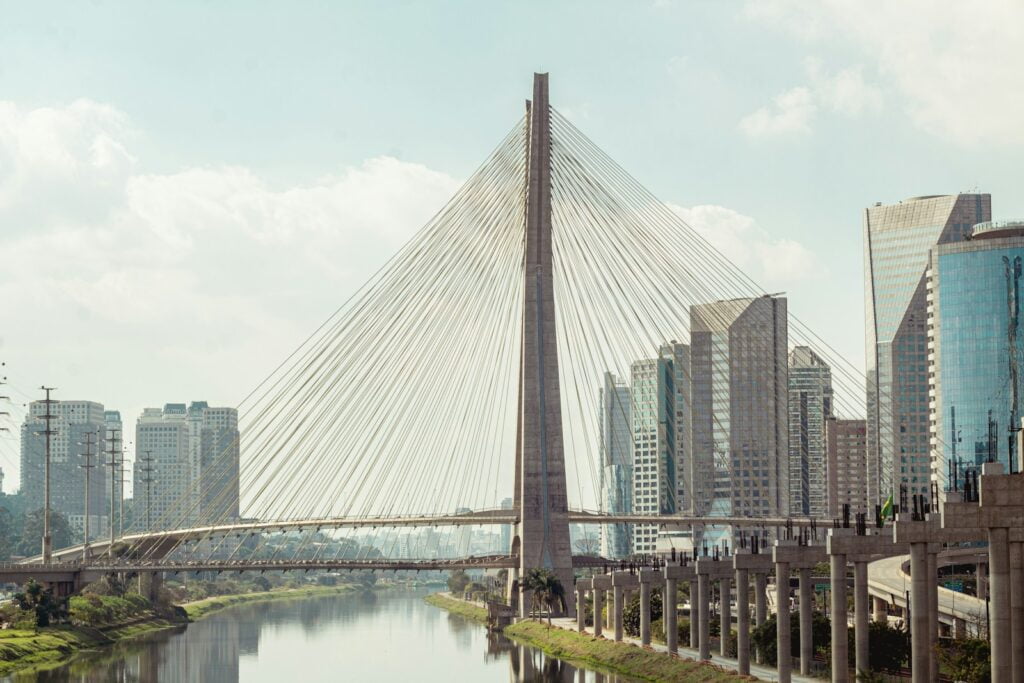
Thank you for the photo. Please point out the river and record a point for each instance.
(390, 635)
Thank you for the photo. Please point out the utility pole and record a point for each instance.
(120, 494)
(112, 463)
(87, 467)
(48, 432)
(146, 469)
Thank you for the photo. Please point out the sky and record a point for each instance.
(188, 189)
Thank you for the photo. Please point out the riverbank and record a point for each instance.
(595, 653)
(463, 608)
(207, 606)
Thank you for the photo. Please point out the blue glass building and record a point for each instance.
(975, 350)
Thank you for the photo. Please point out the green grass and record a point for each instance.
(207, 606)
(460, 607)
(622, 658)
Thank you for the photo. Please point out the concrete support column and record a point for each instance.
(694, 615)
(999, 569)
(617, 600)
(760, 604)
(806, 614)
(646, 576)
(840, 647)
(1017, 611)
(782, 631)
(598, 606)
(981, 580)
(669, 616)
(860, 616)
(743, 621)
(933, 613)
(880, 610)
(725, 619)
(609, 617)
(703, 598)
(581, 596)
(920, 640)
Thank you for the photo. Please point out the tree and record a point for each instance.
(888, 648)
(588, 544)
(457, 582)
(764, 637)
(31, 542)
(40, 601)
(547, 590)
(8, 536)
(967, 660)
(631, 613)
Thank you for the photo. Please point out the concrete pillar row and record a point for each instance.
(703, 600)
(806, 620)
(602, 583)
(725, 616)
(782, 632)
(694, 615)
(621, 582)
(933, 610)
(743, 621)
(581, 597)
(617, 606)
(840, 663)
(861, 617)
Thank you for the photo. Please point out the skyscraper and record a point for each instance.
(72, 421)
(194, 457)
(679, 354)
(897, 241)
(810, 405)
(616, 446)
(975, 350)
(738, 369)
(847, 466)
(653, 416)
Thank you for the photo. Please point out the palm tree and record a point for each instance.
(546, 590)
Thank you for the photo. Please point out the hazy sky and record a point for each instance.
(188, 188)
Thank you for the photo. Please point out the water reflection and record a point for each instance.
(391, 636)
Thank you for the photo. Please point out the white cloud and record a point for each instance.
(790, 113)
(955, 66)
(770, 262)
(126, 286)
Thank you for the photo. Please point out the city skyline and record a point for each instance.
(184, 319)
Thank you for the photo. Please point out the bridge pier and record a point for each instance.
(743, 621)
(782, 630)
(760, 604)
(999, 566)
(920, 643)
(806, 619)
(860, 616)
(647, 577)
(1017, 611)
(725, 616)
(602, 583)
(694, 613)
(621, 582)
(581, 613)
(840, 662)
(880, 610)
(670, 603)
(704, 634)
(933, 609)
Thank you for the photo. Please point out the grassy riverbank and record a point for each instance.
(623, 658)
(456, 606)
(203, 608)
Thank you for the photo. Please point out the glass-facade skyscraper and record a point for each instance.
(616, 465)
(653, 393)
(897, 241)
(738, 374)
(976, 350)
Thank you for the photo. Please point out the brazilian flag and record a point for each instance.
(887, 508)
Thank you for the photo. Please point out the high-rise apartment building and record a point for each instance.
(898, 238)
(810, 405)
(616, 445)
(847, 466)
(653, 416)
(193, 452)
(71, 422)
(975, 350)
(738, 372)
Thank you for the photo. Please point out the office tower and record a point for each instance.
(72, 421)
(738, 371)
(679, 354)
(506, 529)
(193, 453)
(810, 404)
(847, 466)
(616, 444)
(652, 393)
(897, 241)
(975, 350)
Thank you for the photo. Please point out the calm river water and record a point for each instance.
(386, 636)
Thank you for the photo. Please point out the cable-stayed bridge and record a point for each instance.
(468, 369)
